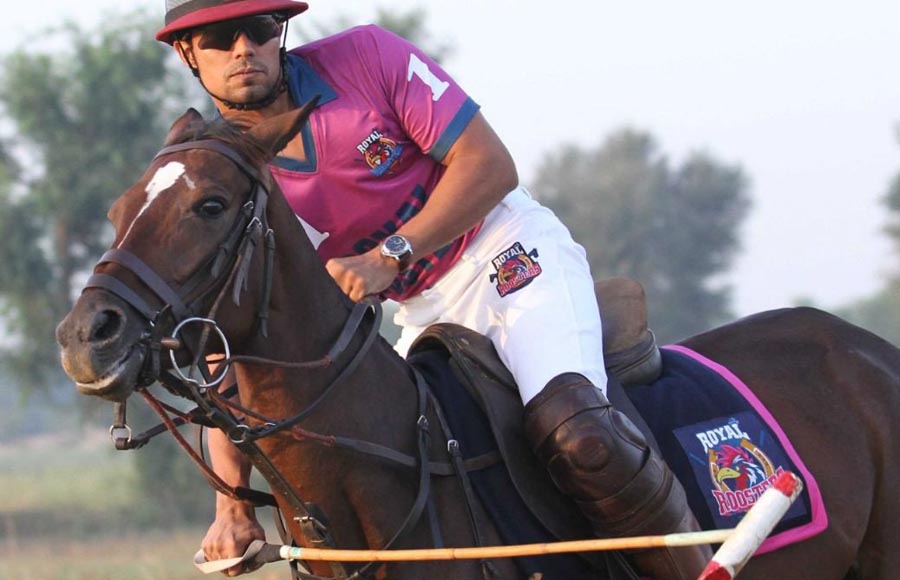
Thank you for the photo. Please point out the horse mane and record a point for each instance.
(232, 132)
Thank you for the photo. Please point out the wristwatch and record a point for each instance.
(397, 247)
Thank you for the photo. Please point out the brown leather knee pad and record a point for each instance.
(598, 457)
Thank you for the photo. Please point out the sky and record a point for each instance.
(803, 95)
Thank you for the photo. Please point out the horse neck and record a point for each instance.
(377, 402)
(307, 309)
(307, 313)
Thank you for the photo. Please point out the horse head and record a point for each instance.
(188, 236)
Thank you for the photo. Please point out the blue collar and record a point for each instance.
(304, 83)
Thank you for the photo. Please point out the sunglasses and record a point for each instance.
(221, 35)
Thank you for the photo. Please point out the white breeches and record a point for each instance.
(525, 284)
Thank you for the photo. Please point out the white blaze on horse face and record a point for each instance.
(164, 178)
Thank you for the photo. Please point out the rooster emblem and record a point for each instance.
(735, 468)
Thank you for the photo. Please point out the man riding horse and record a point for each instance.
(408, 194)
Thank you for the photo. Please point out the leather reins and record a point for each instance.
(229, 267)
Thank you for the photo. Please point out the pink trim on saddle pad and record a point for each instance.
(819, 520)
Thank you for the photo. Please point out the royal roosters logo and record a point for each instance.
(738, 469)
(380, 152)
(515, 268)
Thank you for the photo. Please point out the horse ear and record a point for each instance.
(180, 126)
(275, 133)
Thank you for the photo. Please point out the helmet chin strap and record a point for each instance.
(279, 87)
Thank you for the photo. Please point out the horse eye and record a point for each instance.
(210, 208)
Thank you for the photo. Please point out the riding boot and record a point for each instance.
(597, 457)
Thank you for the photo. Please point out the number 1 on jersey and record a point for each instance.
(421, 70)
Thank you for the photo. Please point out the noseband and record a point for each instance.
(231, 261)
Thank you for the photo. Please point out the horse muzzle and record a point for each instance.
(101, 346)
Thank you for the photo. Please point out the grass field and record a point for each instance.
(135, 556)
(65, 501)
(50, 471)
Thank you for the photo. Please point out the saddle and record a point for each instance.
(629, 347)
(632, 357)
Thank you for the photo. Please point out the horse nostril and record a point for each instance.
(106, 325)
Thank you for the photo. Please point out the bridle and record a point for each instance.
(229, 267)
(230, 262)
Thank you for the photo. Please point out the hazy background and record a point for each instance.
(803, 95)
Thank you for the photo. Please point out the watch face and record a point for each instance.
(396, 245)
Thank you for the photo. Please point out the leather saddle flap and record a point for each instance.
(475, 362)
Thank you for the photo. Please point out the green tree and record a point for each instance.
(892, 201)
(672, 229)
(86, 121)
(880, 313)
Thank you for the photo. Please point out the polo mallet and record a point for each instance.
(754, 528)
(738, 543)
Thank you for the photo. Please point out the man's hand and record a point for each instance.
(230, 534)
(363, 275)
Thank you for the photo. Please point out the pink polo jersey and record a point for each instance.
(386, 118)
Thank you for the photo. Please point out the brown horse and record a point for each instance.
(181, 247)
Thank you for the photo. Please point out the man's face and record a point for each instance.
(238, 60)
